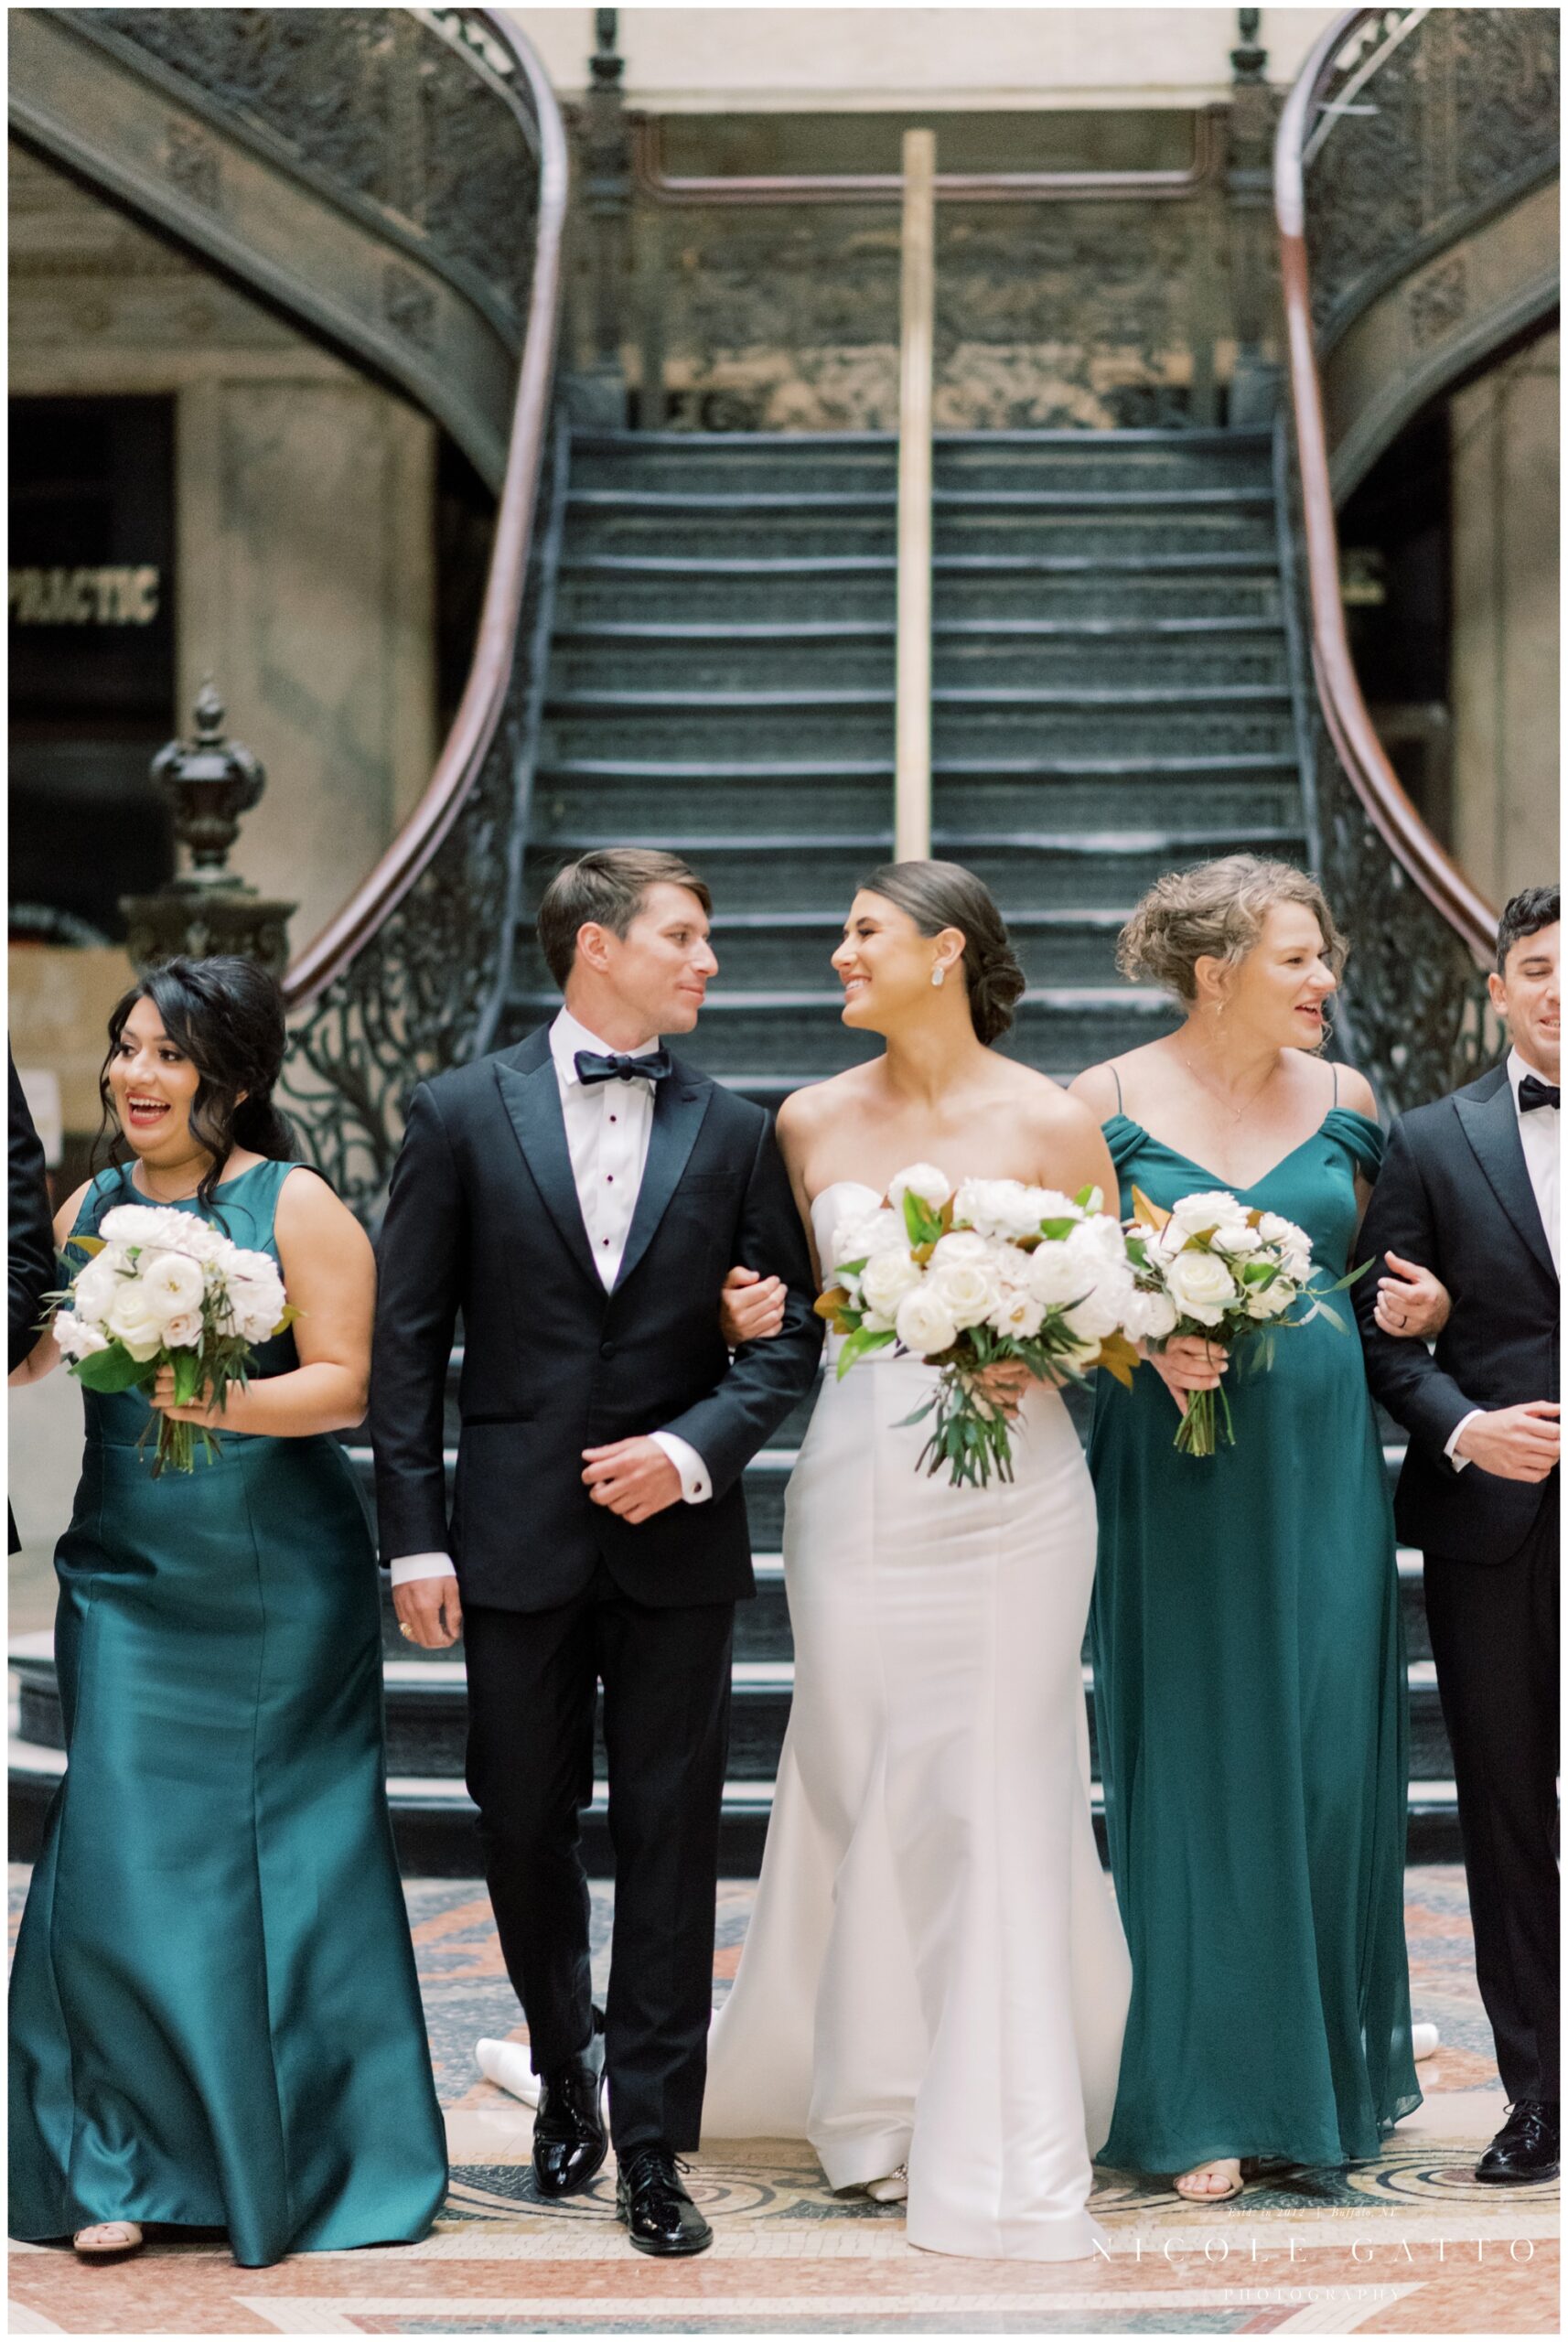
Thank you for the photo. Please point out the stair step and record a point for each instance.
(1081, 868)
(769, 950)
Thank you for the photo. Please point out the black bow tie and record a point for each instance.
(592, 1068)
(1533, 1093)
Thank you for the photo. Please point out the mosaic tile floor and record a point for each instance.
(1409, 2244)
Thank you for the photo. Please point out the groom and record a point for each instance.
(578, 1199)
(1469, 1189)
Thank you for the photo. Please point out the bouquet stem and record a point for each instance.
(1202, 1429)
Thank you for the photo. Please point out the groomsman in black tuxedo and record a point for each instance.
(1469, 1191)
(579, 1200)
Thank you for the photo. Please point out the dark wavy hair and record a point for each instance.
(1526, 914)
(944, 894)
(227, 1015)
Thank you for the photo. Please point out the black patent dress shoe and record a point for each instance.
(1526, 2146)
(569, 2138)
(658, 2214)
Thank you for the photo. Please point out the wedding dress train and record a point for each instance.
(935, 1973)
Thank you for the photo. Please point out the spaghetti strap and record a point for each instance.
(1117, 1079)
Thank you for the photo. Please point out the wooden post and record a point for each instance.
(912, 754)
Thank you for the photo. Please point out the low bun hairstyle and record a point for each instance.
(1215, 912)
(227, 1015)
(944, 894)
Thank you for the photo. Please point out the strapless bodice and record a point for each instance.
(828, 1211)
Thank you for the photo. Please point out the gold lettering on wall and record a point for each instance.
(84, 597)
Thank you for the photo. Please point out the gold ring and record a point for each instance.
(407, 1633)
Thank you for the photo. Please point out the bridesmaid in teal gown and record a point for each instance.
(1249, 1658)
(215, 2018)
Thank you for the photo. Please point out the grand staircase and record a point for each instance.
(1113, 694)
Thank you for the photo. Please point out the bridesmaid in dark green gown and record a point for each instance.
(1249, 1659)
(215, 2018)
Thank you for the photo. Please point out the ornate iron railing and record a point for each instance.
(1422, 123)
(395, 109)
(1423, 934)
(413, 974)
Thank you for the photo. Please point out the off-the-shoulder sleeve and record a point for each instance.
(1362, 1139)
(1123, 1137)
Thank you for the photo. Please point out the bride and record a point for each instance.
(934, 1983)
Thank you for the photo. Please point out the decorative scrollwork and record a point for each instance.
(1413, 1015)
(427, 990)
(1430, 118)
(396, 108)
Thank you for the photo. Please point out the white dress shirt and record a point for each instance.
(1540, 1135)
(609, 1125)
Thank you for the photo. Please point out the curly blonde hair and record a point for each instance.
(1216, 912)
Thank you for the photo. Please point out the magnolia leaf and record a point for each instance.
(829, 1304)
(114, 1369)
(1149, 1213)
(88, 1244)
(1119, 1358)
(860, 1344)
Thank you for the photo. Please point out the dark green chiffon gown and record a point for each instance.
(215, 2018)
(1250, 1714)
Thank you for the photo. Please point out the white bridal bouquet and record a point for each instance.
(1211, 1267)
(167, 1288)
(994, 1274)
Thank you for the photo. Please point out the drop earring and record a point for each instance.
(938, 975)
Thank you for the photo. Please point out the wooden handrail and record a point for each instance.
(1350, 728)
(917, 321)
(485, 692)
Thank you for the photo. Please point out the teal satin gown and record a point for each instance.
(1250, 1715)
(215, 2018)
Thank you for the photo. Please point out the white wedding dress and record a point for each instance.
(935, 1972)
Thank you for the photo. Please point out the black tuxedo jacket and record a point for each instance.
(1454, 1195)
(484, 1219)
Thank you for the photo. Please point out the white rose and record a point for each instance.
(1201, 1286)
(1215, 1208)
(255, 1306)
(1148, 1317)
(1018, 1314)
(922, 1180)
(923, 1325)
(1238, 1241)
(173, 1284)
(857, 1237)
(1096, 1315)
(966, 1291)
(148, 1227)
(1055, 1275)
(76, 1337)
(1098, 1241)
(963, 1244)
(92, 1294)
(1002, 1208)
(135, 1322)
(202, 1242)
(1293, 1244)
(183, 1332)
(887, 1278)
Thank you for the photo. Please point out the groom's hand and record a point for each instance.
(633, 1476)
(431, 1610)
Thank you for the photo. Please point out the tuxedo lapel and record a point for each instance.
(679, 1105)
(1490, 1124)
(531, 1096)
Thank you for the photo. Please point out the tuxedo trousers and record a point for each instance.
(1494, 1637)
(534, 1678)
